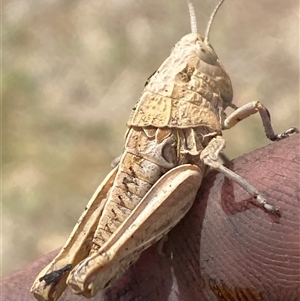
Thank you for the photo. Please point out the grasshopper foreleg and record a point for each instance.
(252, 108)
(210, 156)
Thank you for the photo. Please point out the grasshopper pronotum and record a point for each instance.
(174, 135)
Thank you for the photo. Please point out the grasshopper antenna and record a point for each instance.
(210, 20)
(192, 17)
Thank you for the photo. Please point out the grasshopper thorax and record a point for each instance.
(190, 88)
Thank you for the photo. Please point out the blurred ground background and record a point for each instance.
(72, 70)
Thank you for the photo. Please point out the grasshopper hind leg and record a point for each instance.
(164, 205)
(210, 156)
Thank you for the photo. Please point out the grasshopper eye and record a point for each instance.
(206, 53)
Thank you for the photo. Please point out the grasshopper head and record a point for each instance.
(211, 65)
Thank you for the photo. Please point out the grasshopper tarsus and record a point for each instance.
(55, 275)
(285, 134)
(274, 210)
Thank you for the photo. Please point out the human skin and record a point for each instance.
(225, 248)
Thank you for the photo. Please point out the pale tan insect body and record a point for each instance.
(174, 135)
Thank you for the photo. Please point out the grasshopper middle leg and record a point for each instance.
(210, 156)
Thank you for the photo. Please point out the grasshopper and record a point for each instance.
(174, 136)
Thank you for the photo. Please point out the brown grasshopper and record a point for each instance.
(174, 136)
